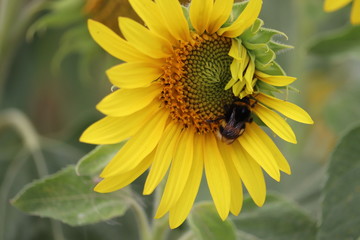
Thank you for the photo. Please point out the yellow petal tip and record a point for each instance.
(260, 200)
(223, 215)
(259, 204)
(174, 225)
(86, 138)
(91, 22)
(147, 191)
(99, 188)
(159, 214)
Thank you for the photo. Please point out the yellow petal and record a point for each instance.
(217, 176)
(286, 108)
(333, 5)
(231, 83)
(110, 130)
(235, 65)
(276, 123)
(235, 49)
(235, 69)
(144, 40)
(236, 193)
(260, 152)
(355, 12)
(249, 76)
(278, 156)
(122, 180)
(238, 87)
(181, 209)
(175, 19)
(245, 60)
(149, 12)
(134, 74)
(240, 62)
(235, 182)
(244, 21)
(112, 43)
(164, 154)
(124, 102)
(220, 13)
(179, 172)
(278, 81)
(250, 173)
(138, 147)
(200, 11)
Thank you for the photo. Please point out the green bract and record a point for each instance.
(259, 43)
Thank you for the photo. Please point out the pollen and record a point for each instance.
(194, 81)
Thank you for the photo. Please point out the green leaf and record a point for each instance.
(344, 40)
(237, 9)
(279, 47)
(93, 162)
(267, 88)
(187, 15)
(272, 69)
(69, 198)
(256, 27)
(207, 225)
(61, 14)
(261, 35)
(278, 219)
(341, 211)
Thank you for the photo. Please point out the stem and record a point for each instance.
(160, 226)
(57, 230)
(22, 125)
(8, 9)
(141, 219)
(187, 236)
(305, 26)
(9, 178)
(13, 24)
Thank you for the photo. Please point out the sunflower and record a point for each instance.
(333, 5)
(193, 81)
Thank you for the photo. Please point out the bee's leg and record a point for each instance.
(215, 120)
(254, 104)
(255, 100)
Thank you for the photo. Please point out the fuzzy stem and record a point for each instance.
(187, 236)
(141, 218)
(9, 178)
(160, 226)
(13, 25)
(17, 120)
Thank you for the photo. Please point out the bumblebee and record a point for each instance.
(232, 124)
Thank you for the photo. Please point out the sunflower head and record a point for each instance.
(193, 81)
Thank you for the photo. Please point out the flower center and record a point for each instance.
(194, 81)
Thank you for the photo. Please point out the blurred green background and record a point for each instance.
(52, 75)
